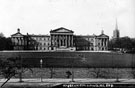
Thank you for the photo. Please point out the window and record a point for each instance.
(40, 48)
(99, 44)
(40, 38)
(92, 49)
(47, 38)
(92, 40)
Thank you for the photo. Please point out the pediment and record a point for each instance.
(17, 35)
(61, 30)
(103, 35)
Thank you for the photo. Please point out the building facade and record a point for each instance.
(60, 39)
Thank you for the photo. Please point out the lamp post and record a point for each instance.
(72, 71)
(41, 63)
(21, 70)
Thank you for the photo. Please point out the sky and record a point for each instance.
(84, 17)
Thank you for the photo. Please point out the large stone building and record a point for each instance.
(60, 39)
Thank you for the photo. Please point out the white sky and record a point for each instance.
(82, 16)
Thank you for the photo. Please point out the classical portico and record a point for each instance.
(18, 40)
(61, 38)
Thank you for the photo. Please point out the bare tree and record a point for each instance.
(52, 72)
(10, 67)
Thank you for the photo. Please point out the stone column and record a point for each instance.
(72, 41)
(63, 40)
(52, 40)
(106, 42)
(21, 41)
(100, 44)
(103, 42)
(60, 40)
(17, 41)
(69, 41)
(57, 40)
(66, 40)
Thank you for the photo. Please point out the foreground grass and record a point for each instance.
(29, 85)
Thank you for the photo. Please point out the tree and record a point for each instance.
(123, 43)
(10, 67)
(2, 35)
(126, 43)
(52, 72)
(5, 43)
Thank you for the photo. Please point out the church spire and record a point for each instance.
(116, 33)
(116, 26)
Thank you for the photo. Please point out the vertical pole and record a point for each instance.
(20, 74)
(72, 70)
(117, 77)
(41, 62)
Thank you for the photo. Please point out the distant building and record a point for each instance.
(19, 41)
(116, 33)
(60, 39)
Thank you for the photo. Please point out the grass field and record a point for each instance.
(77, 59)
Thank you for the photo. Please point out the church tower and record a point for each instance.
(116, 33)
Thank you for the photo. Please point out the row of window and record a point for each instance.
(85, 48)
(89, 39)
(44, 44)
(43, 48)
(42, 38)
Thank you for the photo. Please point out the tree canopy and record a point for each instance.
(5, 43)
(124, 43)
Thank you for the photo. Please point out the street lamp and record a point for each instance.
(41, 64)
(21, 69)
(72, 72)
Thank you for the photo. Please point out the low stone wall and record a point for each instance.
(80, 73)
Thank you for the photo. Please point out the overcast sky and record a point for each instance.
(82, 16)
